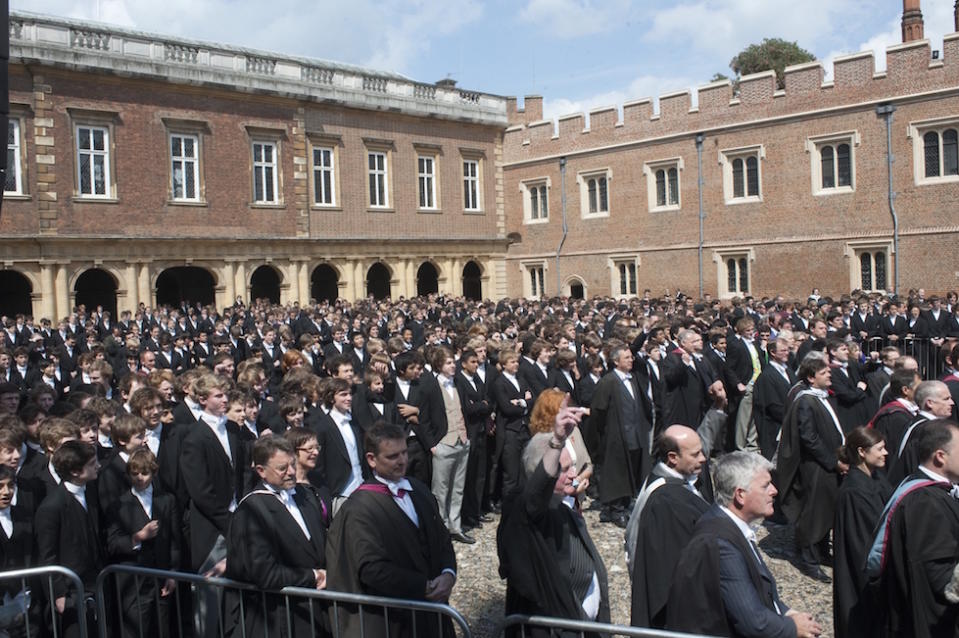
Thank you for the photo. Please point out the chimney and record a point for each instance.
(911, 21)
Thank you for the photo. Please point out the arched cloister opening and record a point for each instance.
(427, 279)
(96, 287)
(472, 281)
(265, 284)
(15, 291)
(190, 284)
(324, 283)
(378, 281)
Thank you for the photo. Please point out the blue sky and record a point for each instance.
(577, 54)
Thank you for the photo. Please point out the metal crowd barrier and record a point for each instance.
(923, 350)
(516, 624)
(31, 622)
(287, 603)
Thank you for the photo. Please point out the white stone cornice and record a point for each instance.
(101, 48)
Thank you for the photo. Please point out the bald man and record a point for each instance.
(662, 521)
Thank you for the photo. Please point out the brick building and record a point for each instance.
(146, 169)
(794, 183)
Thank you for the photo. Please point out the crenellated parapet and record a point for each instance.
(910, 70)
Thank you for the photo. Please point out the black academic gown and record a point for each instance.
(374, 548)
(807, 468)
(921, 552)
(267, 547)
(665, 526)
(533, 543)
(606, 433)
(892, 420)
(861, 501)
(769, 407)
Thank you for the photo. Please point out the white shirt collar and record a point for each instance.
(744, 527)
(395, 487)
(53, 472)
(933, 475)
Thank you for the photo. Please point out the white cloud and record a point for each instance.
(574, 18)
(937, 22)
(409, 36)
(385, 34)
(646, 86)
(735, 24)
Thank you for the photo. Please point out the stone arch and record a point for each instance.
(16, 292)
(575, 287)
(192, 284)
(265, 282)
(94, 287)
(378, 278)
(325, 282)
(427, 279)
(473, 281)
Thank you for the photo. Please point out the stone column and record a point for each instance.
(61, 291)
(303, 282)
(48, 304)
(241, 287)
(130, 283)
(229, 281)
(409, 276)
(359, 280)
(290, 288)
(144, 289)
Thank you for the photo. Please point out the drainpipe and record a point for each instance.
(702, 214)
(885, 111)
(562, 179)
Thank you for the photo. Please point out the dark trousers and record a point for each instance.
(419, 463)
(475, 476)
(512, 459)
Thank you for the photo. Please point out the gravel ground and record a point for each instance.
(479, 593)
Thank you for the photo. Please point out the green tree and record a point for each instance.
(771, 53)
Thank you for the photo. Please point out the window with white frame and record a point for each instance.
(625, 278)
(426, 181)
(873, 266)
(734, 271)
(471, 184)
(737, 275)
(869, 264)
(663, 184)
(535, 200)
(833, 162)
(594, 192)
(935, 150)
(265, 169)
(14, 180)
(940, 153)
(324, 176)
(378, 179)
(742, 178)
(185, 167)
(93, 161)
(535, 280)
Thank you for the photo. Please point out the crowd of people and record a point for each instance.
(348, 446)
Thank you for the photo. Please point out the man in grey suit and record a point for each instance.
(721, 586)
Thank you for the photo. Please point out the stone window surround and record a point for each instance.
(582, 178)
(915, 131)
(726, 158)
(814, 145)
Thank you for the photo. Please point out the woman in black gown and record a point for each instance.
(862, 497)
